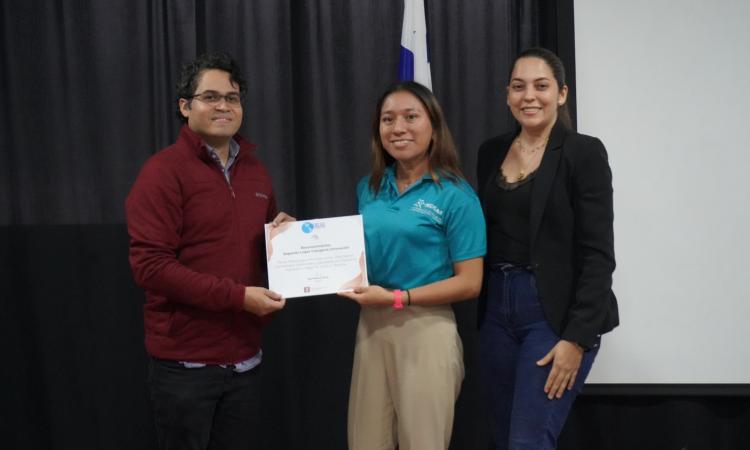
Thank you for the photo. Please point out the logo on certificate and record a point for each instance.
(308, 227)
(306, 289)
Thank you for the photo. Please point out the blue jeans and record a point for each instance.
(514, 335)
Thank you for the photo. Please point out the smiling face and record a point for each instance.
(533, 94)
(405, 128)
(217, 123)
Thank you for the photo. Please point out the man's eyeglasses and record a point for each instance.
(214, 98)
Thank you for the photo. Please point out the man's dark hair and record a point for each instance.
(190, 75)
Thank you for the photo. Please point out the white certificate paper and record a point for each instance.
(316, 257)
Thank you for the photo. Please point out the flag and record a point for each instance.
(414, 63)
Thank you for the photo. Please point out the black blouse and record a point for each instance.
(508, 205)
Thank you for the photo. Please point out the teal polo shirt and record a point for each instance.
(413, 238)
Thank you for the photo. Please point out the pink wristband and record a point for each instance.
(397, 299)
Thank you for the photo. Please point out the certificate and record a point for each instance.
(316, 257)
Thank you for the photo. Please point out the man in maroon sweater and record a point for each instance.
(195, 217)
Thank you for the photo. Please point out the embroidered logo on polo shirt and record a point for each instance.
(261, 195)
(428, 209)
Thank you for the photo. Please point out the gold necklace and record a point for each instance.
(533, 149)
(528, 151)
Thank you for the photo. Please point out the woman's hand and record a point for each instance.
(369, 296)
(566, 358)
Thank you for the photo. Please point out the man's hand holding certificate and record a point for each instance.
(316, 257)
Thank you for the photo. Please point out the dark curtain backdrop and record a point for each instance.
(86, 92)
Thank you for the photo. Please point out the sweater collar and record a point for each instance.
(196, 144)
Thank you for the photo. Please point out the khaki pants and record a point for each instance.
(408, 369)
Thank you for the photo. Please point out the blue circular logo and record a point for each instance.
(307, 227)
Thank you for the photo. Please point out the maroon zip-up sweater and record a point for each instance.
(196, 241)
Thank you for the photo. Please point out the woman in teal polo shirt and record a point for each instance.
(425, 239)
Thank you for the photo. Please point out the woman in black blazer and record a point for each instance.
(547, 197)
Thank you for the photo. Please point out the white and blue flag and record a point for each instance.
(414, 63)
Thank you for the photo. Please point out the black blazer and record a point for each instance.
(571, 236)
